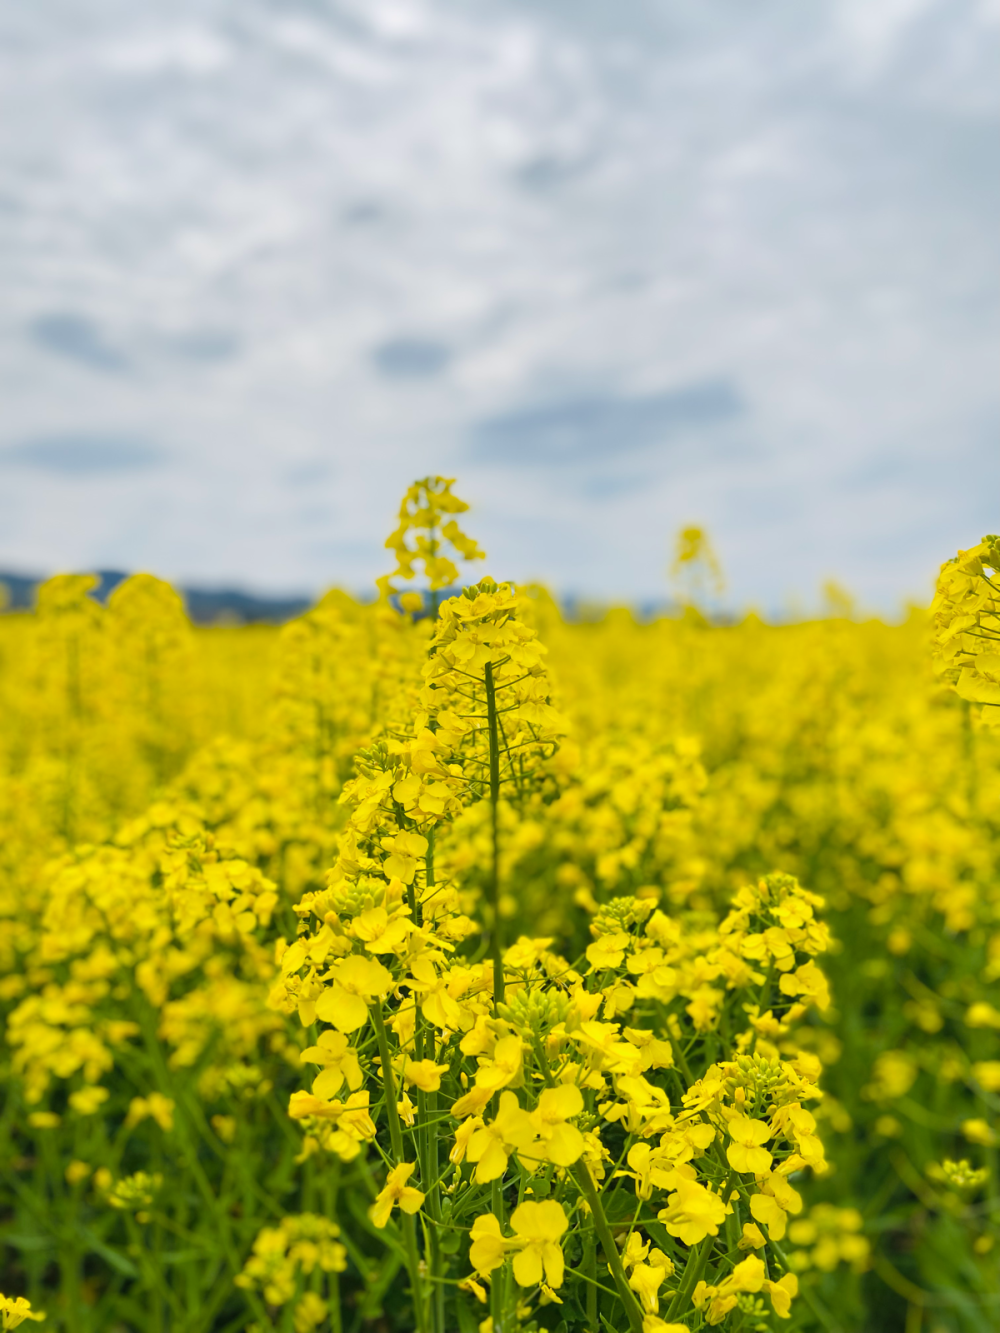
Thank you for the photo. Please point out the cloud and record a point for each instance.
(83, 455)
(548, 171)
(662, 262)
(308, 473)
(209, 345)
(77, 338)
(411, 358)
(591, 427)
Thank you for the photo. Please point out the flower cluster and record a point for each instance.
(427, 516)
(424, 964)
(966, 620)
(286, 1256)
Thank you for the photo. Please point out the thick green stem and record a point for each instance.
(336, 1313)
(590, 1268)
(498, 1284)
(429, 879)
(633, 1310)
(427, 1134)
(494, 879)
(692, 1274)
(331, 1189)
(388, 1083)
(407, 1223)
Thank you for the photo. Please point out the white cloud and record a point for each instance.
(262, 209)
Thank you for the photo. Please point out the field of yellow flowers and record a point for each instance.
(440, 964)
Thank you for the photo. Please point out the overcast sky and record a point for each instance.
(618, 267)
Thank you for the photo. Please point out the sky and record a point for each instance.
(617, 268)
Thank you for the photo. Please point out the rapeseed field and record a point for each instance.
(442, 964)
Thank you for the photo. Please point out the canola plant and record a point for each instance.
(439, 964)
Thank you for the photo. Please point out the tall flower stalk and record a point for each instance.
(564, 1093)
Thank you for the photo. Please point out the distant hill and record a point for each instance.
(206, 606)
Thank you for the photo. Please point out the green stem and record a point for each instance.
(498, 1285)
(331, 1188)
(427, 1136)
(496, 944)
(692, 1274)
(429, 878)
(408, 1223)
(633, 1310)
(590, 1268)
(336, 1313)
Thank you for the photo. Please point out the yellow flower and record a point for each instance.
(809, 983)
(979, 1131)
(339, 1060)
(988, 1074)
(156, 1106)
(490, 1145)
(503, 1068)
(348, 1124)
(406, 850)
(646, 1281)
(635, 1250)
(475, 1288)
(538, 1228)
(437, 1004)
(560, 1143)
(44, 1120)
(356, 982)
(396, 1191)
(747, 1277)
(654, 1168)
(422, 514)
(608, 951)
(463, 1136)
(488, 1245)
(894, 1073)
(135, 1191)
(781, 1294)
(88, 1100)
(693, 1212)
(745, 1153)
(225, 1126)
(14, 1310)
(380, 932)
(800, 1125)
(309, 1313)
(422, 1074)
(982, 1015)
(767, 1210)
(752, 1238)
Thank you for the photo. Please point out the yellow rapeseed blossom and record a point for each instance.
(396, 1191)
(14, 1310)
(570, 930)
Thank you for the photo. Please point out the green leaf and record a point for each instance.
(110, 1255)
(30, 1244)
